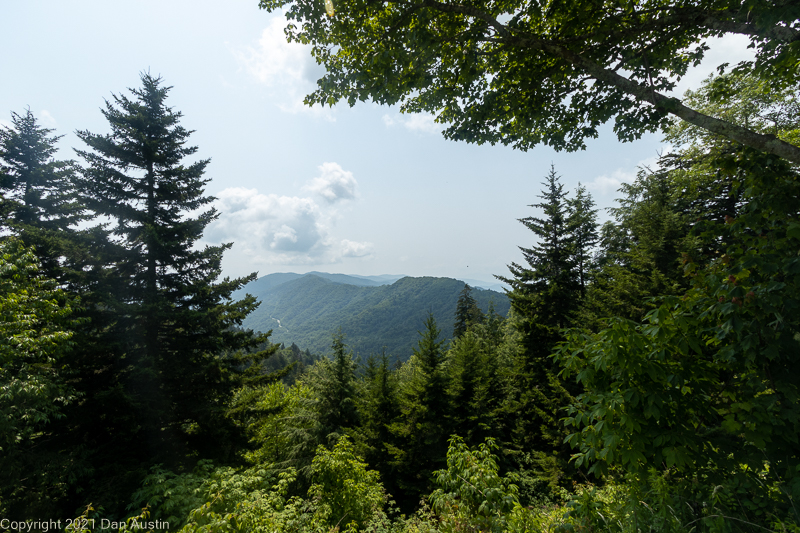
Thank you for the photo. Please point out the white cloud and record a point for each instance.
(47, 119)
(356, 249)
(288, 69)
(419, 122)
(264, 223)
(274, 229)
(333, 184)
(606, 184)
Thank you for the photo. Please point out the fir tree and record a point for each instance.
(583, 227)
(467, 312)
(545, 296)
(378, 410)
(175, 320)
(547, 287)
(423, 429)
(37, 192)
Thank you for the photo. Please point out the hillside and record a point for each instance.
(307, 309)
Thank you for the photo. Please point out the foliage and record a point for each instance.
(263, 411)
(470, 489)
(583, 227)
(378, 408)
(347, 494)
(420, 434)
(644, 248)
(545, 296)
(524, 73)
(172, 496)
(174, 320)
(40, 190)
(473, 389)
(708, 382)
(326, 413)
(35, 327)
(547, 289)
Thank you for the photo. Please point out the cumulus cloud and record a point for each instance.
(356, 249)
(333, 183)
(275, 229)
(418, 122)
(263, 223)
(288, 69)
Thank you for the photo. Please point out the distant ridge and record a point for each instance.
(373, 311)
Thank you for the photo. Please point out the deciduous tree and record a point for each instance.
(523, 73)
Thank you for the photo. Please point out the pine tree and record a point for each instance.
(175, 322)
(467, 312)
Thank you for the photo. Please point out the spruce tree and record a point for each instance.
(378, 410)
(423, 429)
(37, 191)
(583, 227)
(467, 312)
(175, 322)
(545, 296)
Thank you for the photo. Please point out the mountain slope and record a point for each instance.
(307, 309)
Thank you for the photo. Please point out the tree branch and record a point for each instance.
(765, 143)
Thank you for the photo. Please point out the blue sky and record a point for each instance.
(361, 190)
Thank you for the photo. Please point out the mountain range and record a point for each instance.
(373, 312)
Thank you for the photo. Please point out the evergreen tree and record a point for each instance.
(328, 413)
(583, 226)
(547, 287)
(174, 319)
(378, 410)
(423, 429)
(37, 191)
(336, 407)
(642, 249)
(473, 386)
(467, 312)
(545, 296)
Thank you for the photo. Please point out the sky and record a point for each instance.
(359, 190)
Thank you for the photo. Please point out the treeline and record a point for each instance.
(646, 377)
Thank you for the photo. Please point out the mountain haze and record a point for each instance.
(373, 311)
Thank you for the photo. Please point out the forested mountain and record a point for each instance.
(307, 309)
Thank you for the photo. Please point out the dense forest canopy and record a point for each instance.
(646, 376)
